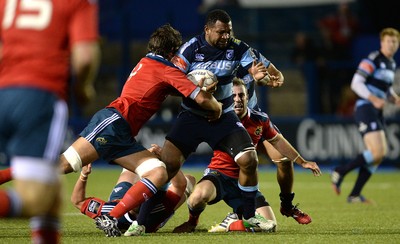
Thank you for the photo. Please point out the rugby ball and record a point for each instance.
(196, 75)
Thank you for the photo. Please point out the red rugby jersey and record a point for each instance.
(149, 83)
(36, 38)
(257, 125)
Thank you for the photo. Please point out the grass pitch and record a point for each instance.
(334, 220)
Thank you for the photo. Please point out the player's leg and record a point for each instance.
(5, 175)
(373, 135)
(377, 148)
(239, 145)
(36, 187)
(204, 192)
(285, 178)
(153, 176)
(79, 154)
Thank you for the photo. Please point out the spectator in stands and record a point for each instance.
(337, 33)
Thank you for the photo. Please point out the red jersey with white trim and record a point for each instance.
(36, 37)
(257, 125)
(150, 82)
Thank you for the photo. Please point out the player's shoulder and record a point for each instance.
(237, 43)
(257, 115)
(374, 55)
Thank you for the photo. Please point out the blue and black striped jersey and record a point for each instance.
(379, 72)
(197, 53)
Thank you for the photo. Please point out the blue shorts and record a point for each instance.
(228, 190)
(369, 119)
(226, 134)
(111, 135)
(33, 123)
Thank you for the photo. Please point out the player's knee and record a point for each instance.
(153, 169)
(198, 199)
(247, 160)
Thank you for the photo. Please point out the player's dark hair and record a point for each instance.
(217, 14)
(164, 41)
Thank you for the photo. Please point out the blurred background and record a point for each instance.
(317, 44)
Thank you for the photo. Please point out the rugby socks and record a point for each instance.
(286, 200)
(136, 195)
(5, 204)
(171, 200)
(363, 176)
(356, 163)
(45, 230)
(194, 215)
(147, 207)
(5, 175)
(249, 203)
(162, 212)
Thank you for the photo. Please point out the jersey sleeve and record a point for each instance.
(269, 131)
(180, 82)
(92, 207)
(366, 67)
(84, 22)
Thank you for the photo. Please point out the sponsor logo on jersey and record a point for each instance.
(258, 131)
(229, 54)
(366, 67)
(199, 57)
(94, 206)
(101, 140)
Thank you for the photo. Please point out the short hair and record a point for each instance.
(217, 14)
(389, 32)
(164, 41)
(238, 82)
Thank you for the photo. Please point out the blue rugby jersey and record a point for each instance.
(249, 81)
(379, 72)
(197, 53)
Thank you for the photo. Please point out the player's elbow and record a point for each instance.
(77, 202)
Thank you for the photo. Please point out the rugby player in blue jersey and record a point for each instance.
(372, 82)
(217, 51)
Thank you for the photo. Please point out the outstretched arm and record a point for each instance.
(78, 195)
(287, 150)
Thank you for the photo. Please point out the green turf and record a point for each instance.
(334, 220)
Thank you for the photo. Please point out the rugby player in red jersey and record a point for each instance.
(111, 131)
(220, 181)
(40, 41)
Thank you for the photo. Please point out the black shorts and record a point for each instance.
(226, 134)
(228, 190)
(369, 119)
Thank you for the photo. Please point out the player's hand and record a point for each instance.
(211, 88)
(275, 81)
(313, 166)
(155, 149)
(378, 103)
(258, 70)
(86, 170)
